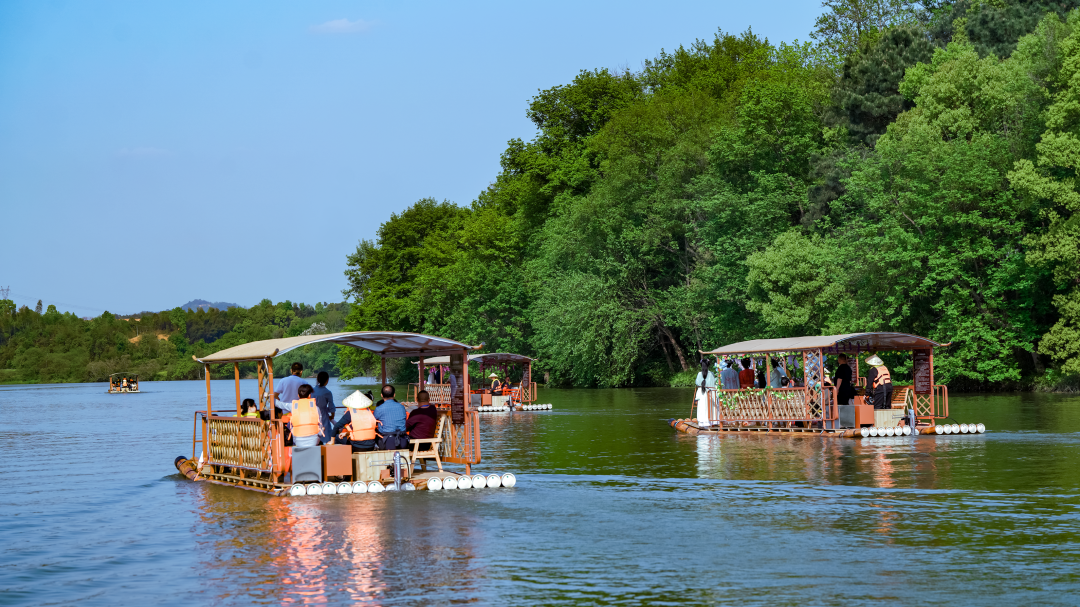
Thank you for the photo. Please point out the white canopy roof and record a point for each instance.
(491, 357)
(388, 344)
(850, 342)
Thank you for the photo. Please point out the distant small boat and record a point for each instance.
(123, 383)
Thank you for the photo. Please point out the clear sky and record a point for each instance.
(156, 152)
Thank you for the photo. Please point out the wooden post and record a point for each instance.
(270, 386)
(206, 374)
(259, 397)
(236, 374)
(422, 382)
(383, 360)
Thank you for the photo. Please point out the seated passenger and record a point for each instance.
(304, 419)
(249, 409)
(777, 376)
(424, 418)
(496, 385)
(361, 434)
(391, 417)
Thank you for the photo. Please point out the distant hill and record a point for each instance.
(202, 303)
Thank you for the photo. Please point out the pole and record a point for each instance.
(236, 374)
(383, 360)
(270, 386)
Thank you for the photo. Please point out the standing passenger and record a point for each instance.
(729, 377)
(324, 399)
(845, 389)
(879, 383)
(289, 387)
(746, 376)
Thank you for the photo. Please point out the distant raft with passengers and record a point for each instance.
(497, 395)
(784, 385)
(247, 448)
(123, 383)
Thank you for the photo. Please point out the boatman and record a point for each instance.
(879, 382)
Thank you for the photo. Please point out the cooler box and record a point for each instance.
(337, 460)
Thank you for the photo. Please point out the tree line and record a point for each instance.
(50, 347)
(911, 169)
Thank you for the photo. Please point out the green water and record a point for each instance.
(612, 507)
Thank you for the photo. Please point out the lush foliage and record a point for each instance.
(914, 170)
(44, 347)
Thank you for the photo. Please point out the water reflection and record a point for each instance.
(612, 507)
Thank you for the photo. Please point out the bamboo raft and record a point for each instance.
(250, 453)
(809, 406)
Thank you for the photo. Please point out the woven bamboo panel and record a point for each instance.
(460, 444)
(240, 442)
(779, 405)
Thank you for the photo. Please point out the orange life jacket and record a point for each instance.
(362, 425)
(882, 378)
(305, 418)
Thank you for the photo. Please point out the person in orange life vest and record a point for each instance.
(304, 419)
(423, 419)
(360, 434)
(879, 383)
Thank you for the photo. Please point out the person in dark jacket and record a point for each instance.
(843, 380)
(324, 400)
(424, 419)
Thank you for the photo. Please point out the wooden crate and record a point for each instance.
(367, 464)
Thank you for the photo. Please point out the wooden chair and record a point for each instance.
(433, 447)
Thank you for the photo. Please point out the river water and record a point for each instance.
(611, 507)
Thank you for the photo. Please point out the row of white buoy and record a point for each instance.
(957, 429)
(909, 431)
(535, 407)
(889, 431)
(476, 481)
(503, 409)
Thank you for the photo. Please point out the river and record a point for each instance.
(611, 507)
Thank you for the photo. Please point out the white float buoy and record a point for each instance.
(329, 489)
(434, 484)
(873, 431)
(907, 430)
(390, 488)
(956, 428)
(890, 431)
(408, 487)
(493, 480)
(914, 431)
(479, 481)
(359, 487)
(344, 488)
(314, 489)
(939, 429)
(375, 487)
(963, 428)
(864, 432)
(980, 428)
(508, 480)
(449, 483)
(947, 428)
(297, 490)
(464, 482)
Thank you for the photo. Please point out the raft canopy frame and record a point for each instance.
(815, 402)
(439, 392)
(251, 451)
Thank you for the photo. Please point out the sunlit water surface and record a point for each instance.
(612, 507)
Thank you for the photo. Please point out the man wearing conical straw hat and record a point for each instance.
(495, 383)
(879, 382)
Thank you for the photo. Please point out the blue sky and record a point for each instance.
(153, 152)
